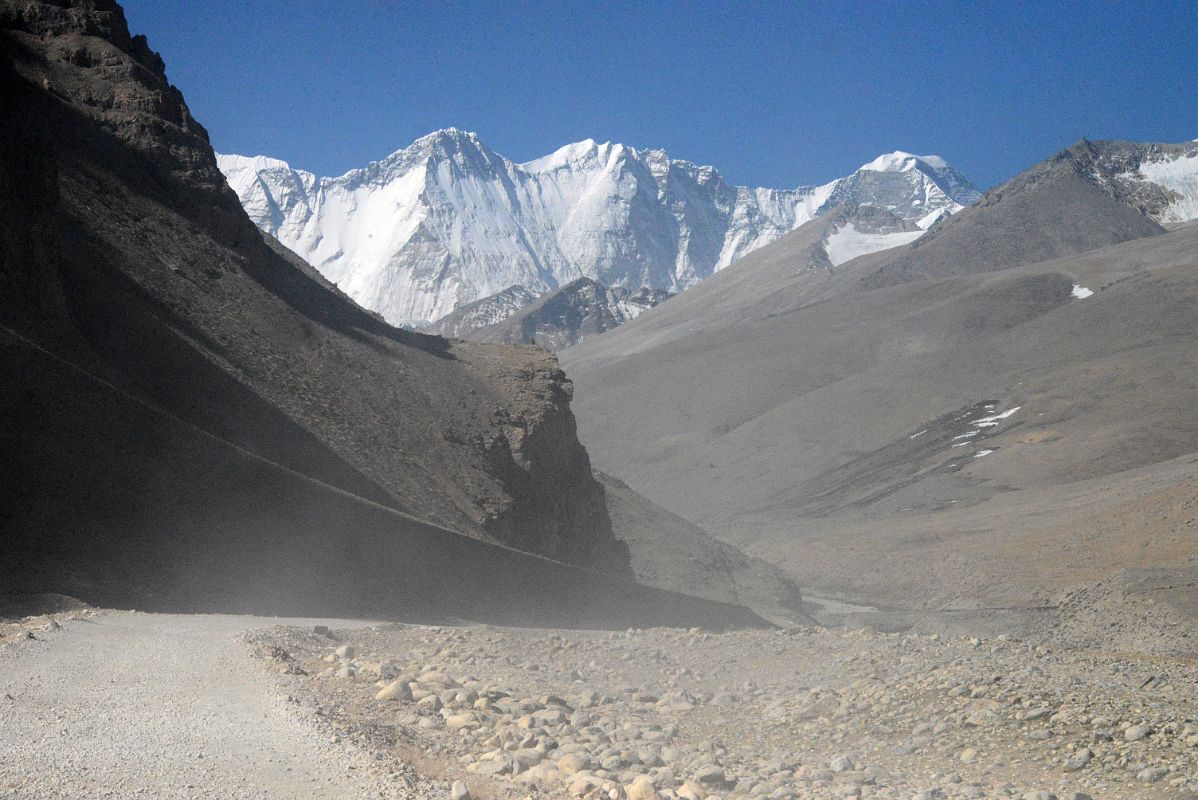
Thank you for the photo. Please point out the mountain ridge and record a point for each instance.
(446, 221)
(1097, 191)
(563, 317)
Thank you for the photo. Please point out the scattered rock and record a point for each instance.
(574, 762)
(1152, 774)
(1079, 760)
(641, 788)
(1136, 733)
(396, 690)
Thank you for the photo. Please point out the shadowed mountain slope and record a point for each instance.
(670, 553)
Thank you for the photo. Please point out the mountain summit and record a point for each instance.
(447, 221)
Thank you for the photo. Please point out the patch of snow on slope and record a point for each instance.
(1178, 175)
(928, 221)
(990, 422)
(1081, 292)
(847, 242)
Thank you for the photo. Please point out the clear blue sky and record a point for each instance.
(772, 94)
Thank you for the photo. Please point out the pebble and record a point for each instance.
(1079, 760)
(1136, 732)
(396, 690)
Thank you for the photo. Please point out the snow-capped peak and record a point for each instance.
(444, 136)
(446, 220)
(899, 161)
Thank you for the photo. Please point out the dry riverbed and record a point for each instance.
(801, 712)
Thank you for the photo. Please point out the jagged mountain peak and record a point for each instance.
(446, 142)
(587, 152)
(560, 318)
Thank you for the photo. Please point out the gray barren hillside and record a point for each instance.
(190, 416)
(670, 553)
(894, 441)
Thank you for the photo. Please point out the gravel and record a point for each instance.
(138, 705)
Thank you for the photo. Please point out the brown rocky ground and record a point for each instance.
(799, 712)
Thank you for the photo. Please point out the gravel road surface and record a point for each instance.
(144, 705)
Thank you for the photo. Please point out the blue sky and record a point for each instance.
(773, 94)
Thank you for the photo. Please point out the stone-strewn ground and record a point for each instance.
(802, 712)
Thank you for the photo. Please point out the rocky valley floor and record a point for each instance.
(122, 704)
(801, 712)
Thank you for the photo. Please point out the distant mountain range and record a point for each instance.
(447, 221)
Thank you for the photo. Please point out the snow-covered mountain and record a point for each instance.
(447, 221)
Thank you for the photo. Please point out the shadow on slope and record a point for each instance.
(119, 504)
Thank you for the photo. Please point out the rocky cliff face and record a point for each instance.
(133, 261)
(1159, 179)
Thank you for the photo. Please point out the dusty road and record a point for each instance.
(128, 705)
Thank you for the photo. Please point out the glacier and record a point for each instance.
(446, 221)
(1179, 176)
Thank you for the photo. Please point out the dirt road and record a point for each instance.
(127, 704)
